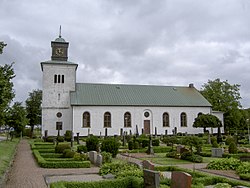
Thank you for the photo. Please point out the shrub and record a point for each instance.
(130, 145)
(191, 157)
(116, 167)
(222, 185)
(80, 157)
(245, 176)
(67, 153)
(229, 140)
(155, 142)
(232, 148)
(133, 171)
(106, 157)
(224, 164)
(92, 143)
(50, 138)
(68, 135)
(144, 142)
(110, 145)
(82, 149)
(243, 168)
(60, 139)
(214, 142)
(61, 147)
(171, 154)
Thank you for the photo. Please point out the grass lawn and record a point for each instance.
(7, 150)
(160, 158)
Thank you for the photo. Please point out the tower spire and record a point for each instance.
(60, 32)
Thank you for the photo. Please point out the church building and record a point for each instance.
(114, 109)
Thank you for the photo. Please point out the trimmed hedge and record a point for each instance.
(60, 164)
(131, 182)
(51, 155)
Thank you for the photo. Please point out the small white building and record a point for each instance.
(112, 109)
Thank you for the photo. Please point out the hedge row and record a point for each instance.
(131, 182)
(60, 164)
(157, 149)
(51, 155)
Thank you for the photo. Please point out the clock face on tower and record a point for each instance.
(59, 51)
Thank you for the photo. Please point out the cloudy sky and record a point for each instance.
(159, 42)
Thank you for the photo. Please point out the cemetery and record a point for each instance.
(149, 160)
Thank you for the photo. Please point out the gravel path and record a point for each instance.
(25, 173)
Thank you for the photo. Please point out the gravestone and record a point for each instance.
(217, 152)
(106, 132)
(155, 131)
(99, 160)
(151, 179)
(146, 164)
(181, 180)
(77, 138)
(121, 131)
(93, 157)
(182, 150)
(150, 150)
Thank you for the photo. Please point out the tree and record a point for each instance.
(6, 90)
(17, 117)
(224, 97)
(33, 108)
(207, 120)
(2, 45)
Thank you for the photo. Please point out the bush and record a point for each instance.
(191, 157)
(82, 149)
(171, 154)
(232, 148)
(155, 142)
(61, 147)
(92, 143)
(106, 157)
(67, 153)
(134, 172)
(245, 176)
(51, 138)
(214, 142)
(110, 145)
(243, 168)
(222, 185)
(68, 135)
(224, 164)
(80, 157)
(229, 140)
(130, 145)
(60, 139)
(116, 167)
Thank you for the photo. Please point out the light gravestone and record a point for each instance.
(151, 179)
(217, 152)
(98, 160)
(181, 180)
(93, 157)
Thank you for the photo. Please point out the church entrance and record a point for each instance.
(146, 126)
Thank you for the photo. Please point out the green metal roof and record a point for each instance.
(88, 94)
(60, 39)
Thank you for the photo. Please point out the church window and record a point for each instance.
(127, 119)
(55, 78)
(62, 78)
(146, 114)
(183, 119)
(59, 78)
(59, 125)
(165, 119)
(59, 114)
(86, 119)
(107, 119)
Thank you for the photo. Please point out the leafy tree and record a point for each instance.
(192, 141)
(17, 117)
(224, 97)
(207, 120)
(2, 45)
(6, 90)
(33, 108)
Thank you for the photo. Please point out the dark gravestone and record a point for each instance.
(151, 179)
(155, 131)
(166, 132)
(46, 134)
(77, 138)
(137, 132)
(121, 131)
(106, 132)
(181, 180)
(146, 164)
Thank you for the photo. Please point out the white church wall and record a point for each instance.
(137, 118)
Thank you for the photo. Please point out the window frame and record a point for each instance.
(127, 119)
(165, 121)
(107, 120)
(183, 119)
(86, 118)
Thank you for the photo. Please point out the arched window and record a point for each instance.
(59, 78)
(127, 119)
(107, 119)
(86, 119)
(55, 78)
(183, 119)
(165, 119)
(62, 78)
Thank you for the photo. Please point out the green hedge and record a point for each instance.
(51, 155)
(60, 164)
(131, 182)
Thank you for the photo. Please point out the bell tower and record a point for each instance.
(59, 79)
(59, 49)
